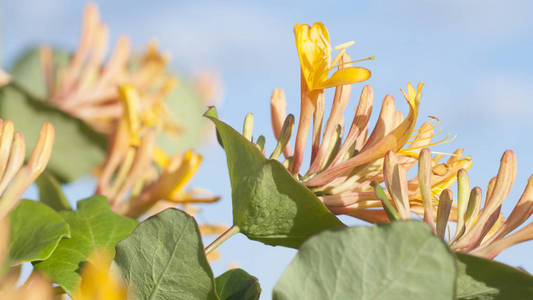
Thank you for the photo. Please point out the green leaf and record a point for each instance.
(269, 205)
(50, 192)
(28, 73)
(164, 259)
(36, 231)
(187, 109)
(92, 226)
(77, 147)
(401, 260)
(237, 284)
(479, 278)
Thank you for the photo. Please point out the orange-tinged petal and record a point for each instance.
(359, 128)
(504, 182)
(393, 141)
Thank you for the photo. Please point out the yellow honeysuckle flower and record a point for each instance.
(139, 117)
(131, 104)
(137, 173)
(160, 157)
(481, 229)
(314, 49)
(97, 282)
(343, 166)
(188, 167)
(87, 86)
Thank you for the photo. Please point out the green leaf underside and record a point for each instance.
(36, 231)
(27, 70)
(402, 260)
(164, 259)
(186, 108)
(50, 192)
(481, 279)
(237, 284)
(269, 205)
(77, 148)
(93, 225)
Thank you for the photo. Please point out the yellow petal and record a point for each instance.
(314, 50)
(160, 157)
(97, 282)
(131, 101)
(189, 166)
(345, 76)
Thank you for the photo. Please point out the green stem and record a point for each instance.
(222, 238)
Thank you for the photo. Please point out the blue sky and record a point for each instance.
(474, 57)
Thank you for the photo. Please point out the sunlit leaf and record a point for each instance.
(269, 205)
(93, 226)
(36, 231)
(50, 192)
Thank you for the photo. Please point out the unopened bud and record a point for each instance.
(284, 136)
(443, 211)
(391, 212)
(248, 126)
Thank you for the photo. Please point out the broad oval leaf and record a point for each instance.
(77, 147)
(483, 279)
(36, 231)
(186, 108)
(237, 284)
(164, 259)
(93, 226)
(50, 192)
(269, 205)
(28, 73)
(402, 260)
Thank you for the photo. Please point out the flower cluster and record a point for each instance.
(341, 168)
(138, 177)
(479, 230)
(87, 86)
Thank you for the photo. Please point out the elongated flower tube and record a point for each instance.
(408, 195)
(87, 86)
(481, 228)
(16, 176)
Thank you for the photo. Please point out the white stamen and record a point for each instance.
(344, 45)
